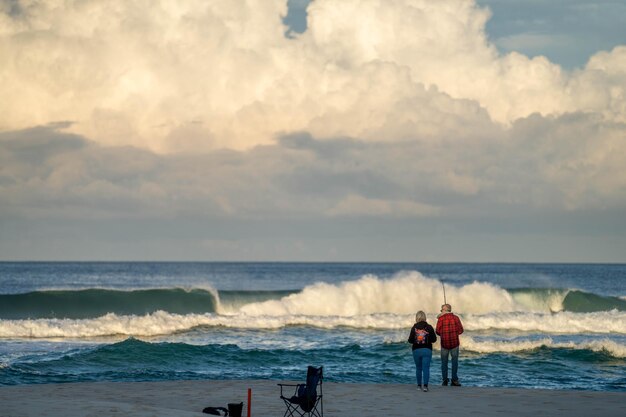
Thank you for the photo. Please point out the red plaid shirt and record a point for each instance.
(449, 327)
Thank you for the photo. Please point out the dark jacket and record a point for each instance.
(420, 328)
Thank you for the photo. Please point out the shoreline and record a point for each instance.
(188, 398)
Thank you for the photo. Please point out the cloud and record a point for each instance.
(183, 77)
(541, 164)
(356, 205)
(203, 119)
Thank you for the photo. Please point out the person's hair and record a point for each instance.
(420, 316)
(446, 307)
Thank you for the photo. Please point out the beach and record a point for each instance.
(188, 398)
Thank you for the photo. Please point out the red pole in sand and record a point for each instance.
(249, 400)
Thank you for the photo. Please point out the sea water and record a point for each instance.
(553, 326)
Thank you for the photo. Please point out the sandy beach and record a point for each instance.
(188, 398)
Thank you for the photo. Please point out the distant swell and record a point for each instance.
(549, 299)
(583, 302)
(89, 303)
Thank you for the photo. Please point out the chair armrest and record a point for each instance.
(297, 386)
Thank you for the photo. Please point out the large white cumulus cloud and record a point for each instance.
(140, 72)
(401, 112)
(187, 75)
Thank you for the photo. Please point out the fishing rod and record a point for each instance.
(444, 293)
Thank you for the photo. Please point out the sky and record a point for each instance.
(332, 130)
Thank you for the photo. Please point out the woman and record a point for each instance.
(422, 337)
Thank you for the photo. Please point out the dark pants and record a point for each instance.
(455, 363)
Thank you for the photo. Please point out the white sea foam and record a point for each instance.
(611, 347)
(547, 300)
(562, 322)
(403, 294)
(163, 323)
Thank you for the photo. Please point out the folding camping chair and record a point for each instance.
(305, 400)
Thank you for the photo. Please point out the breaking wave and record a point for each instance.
(401, 294)
(409, 291)
(366, 303)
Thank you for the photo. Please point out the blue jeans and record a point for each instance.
(455, 363)
(422, 357)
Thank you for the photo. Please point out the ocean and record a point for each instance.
(551, 326)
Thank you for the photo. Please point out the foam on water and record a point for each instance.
(602, 345)
(163, 323)
(563, 322)
(540, 299)
(406, 292)
(402, 294)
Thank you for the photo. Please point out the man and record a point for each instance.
(449, 328)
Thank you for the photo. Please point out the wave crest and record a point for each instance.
(403, 294)
(603, 345)
(408, 292)
(563, 322)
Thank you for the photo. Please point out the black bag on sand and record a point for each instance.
(234, 410)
